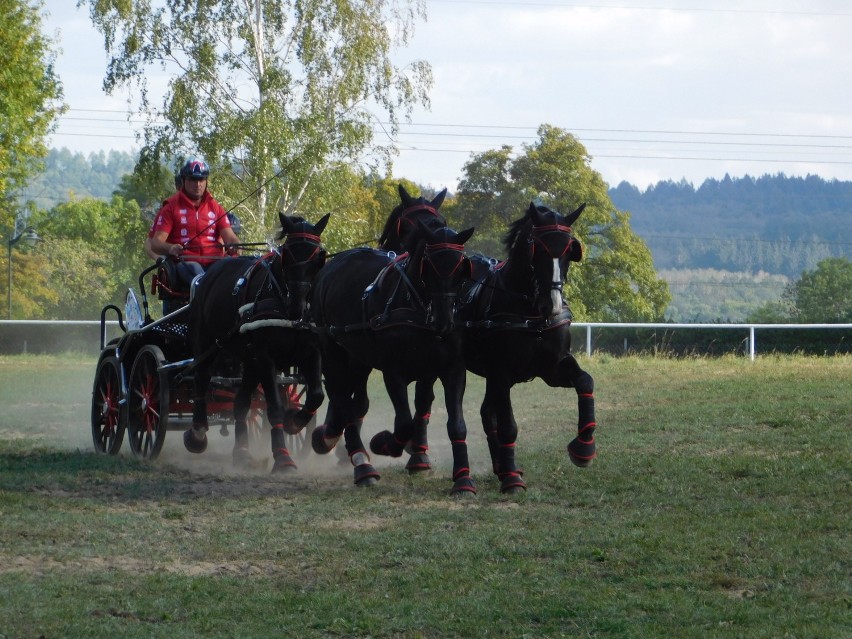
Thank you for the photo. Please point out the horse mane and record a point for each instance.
(390, 223)
(516, 229)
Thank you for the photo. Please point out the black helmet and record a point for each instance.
(195, 168)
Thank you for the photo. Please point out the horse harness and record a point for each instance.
(415, 316)
(481, 294)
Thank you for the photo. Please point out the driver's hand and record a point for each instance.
(175, 250)
(232, 250)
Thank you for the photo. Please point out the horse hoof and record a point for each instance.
(418, 463)
(384, 443)
(463, 487)
(320, 444)
(581, 453)
(366, 475)
(195, 440)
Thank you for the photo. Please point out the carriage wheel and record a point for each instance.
(108, 416)
(147, 403)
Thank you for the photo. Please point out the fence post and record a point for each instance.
(751, 342)
(589, 341)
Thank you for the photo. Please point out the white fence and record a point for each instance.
(749, 330)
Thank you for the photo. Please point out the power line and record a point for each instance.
(472, 137)
(573, 5)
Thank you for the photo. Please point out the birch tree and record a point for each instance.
(276, 95)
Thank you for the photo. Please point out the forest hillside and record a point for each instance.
(726, 247)
(775, 224)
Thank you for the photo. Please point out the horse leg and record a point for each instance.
(489, 425)
(267, 374)
(417, 448)
(454, 383)
(295, 419)
(498, 396)
(335, 368)
(393, 444)
(195, 437)
(365, 473)
(581, 449)
(242, 405)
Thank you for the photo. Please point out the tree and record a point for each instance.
(148, 189)
(31, 97)
(276, 95)
(616, 280)
(93, 252)
(824, 295)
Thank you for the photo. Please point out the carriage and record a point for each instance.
(143, 382)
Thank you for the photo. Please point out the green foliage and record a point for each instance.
(31, 97)
(275, 95)
(821, 296)
(32, 290)
(616, 279)
(824, 295)
(93, 252)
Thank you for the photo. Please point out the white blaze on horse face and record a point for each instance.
(556, 293)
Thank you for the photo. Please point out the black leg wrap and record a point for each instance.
(462, 481)
(463, 485)
(419, 441)
(385, 443)
(322, 444)
(282, 461)
(582, 449)
(418, 463)
(365, 473)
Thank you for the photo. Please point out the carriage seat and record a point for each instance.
(170, 288)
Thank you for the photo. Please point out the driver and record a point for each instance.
(191, 224)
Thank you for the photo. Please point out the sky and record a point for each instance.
(654, 89)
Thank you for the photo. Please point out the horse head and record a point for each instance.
(551, 247)
(441, 266)
(401, 225)
(302, 256)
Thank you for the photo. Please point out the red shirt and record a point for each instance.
(197, 228)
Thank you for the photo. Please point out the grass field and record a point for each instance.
(719, 506)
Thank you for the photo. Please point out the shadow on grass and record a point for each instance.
(79, 475)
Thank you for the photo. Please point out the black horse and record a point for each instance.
(399, 229)
(252, 311)
(518, 328)
(394, 313)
